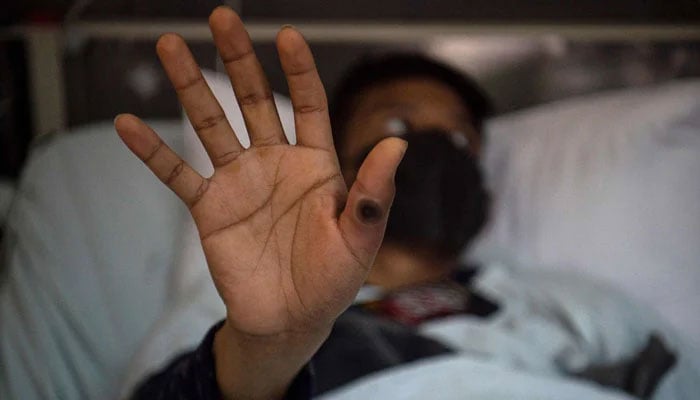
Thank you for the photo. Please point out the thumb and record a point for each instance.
(363, 221)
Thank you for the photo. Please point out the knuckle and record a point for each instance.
(190, 83)
(153, 152)
(226, 158)
(310, 109)
(267, 140)
(175, 172)
(209, 122)
(254, 98)
(201, 190)
(237, 57)
(300, 70)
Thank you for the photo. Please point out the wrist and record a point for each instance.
(261, 367)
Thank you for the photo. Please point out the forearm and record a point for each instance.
(250, 367)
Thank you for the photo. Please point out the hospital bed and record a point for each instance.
(102, 279)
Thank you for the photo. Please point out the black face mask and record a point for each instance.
(440, 202)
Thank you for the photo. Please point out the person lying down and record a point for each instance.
(337, 258)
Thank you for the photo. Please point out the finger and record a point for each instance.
(165, 164)
(202, 108)
(312, 123)
(364, 218)
(247, 77)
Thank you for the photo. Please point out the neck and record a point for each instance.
(396, 266)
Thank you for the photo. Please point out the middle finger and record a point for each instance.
(247, 78)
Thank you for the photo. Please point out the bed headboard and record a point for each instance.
(538, 54)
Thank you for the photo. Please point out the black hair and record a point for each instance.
(371, 71)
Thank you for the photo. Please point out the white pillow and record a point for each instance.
(607, 185)
(86, 263)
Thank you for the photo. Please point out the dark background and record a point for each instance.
(631, 11)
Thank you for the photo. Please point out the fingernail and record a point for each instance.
(117, 117)
(369, 211)
(287, 26)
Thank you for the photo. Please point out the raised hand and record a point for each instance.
(287, 245)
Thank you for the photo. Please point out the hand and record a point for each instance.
(287, 245)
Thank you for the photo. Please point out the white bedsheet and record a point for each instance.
(555, 322)
(550, 323)
(458, 377)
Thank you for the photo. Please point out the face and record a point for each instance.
(411, 103)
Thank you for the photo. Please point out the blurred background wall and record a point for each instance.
(66, 63)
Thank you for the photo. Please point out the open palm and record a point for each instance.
(287, 245)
